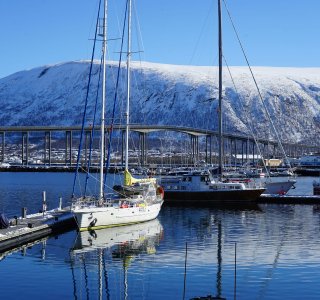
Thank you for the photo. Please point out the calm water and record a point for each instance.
(277, 251)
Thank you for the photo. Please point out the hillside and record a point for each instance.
(170, 94)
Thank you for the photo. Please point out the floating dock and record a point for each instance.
(36, 226)
(289, 199)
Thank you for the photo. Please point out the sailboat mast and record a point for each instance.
(128, 86)
(220, 168)
(104, 50)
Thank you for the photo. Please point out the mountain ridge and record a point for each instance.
(170, 95)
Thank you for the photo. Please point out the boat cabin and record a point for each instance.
(187, 181)
(197, 181)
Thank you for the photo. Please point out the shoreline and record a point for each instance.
(52, 169)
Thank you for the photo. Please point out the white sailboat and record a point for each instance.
(199, 186)
(137, 200)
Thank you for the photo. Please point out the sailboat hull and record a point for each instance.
(212, 197)
(103, 217)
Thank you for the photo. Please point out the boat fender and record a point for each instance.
(93, 222)
(160, 191)
(124, 205)
(4, 222)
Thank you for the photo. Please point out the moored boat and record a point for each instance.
(199, 187)
(137, 200)
(309, 165)
(279, 187)
(273, 186)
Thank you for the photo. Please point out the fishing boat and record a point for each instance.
(134, 201)
(199, 186)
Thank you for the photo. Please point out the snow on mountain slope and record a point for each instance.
(170, 94)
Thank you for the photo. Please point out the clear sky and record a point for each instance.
(273, 32)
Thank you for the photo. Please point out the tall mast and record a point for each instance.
(104, 50)
(220, 168)
(128, 87)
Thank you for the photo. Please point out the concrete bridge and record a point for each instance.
(242, 145)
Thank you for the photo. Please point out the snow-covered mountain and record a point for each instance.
(170, 94)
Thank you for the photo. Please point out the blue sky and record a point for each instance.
(273, 32)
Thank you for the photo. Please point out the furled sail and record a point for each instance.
(130, 180)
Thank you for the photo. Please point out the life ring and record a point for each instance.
(160, 191)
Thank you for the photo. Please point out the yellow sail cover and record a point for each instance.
(129, 180)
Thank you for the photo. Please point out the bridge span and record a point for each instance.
(234, 145)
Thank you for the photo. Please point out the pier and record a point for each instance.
(289, 199)
(29, 228)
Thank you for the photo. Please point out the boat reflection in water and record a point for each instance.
(100, 256)
(137, 234)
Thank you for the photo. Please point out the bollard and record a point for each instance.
(60, 203)
(44, 202)
(24, 212)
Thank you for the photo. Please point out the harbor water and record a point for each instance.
(255, 252)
